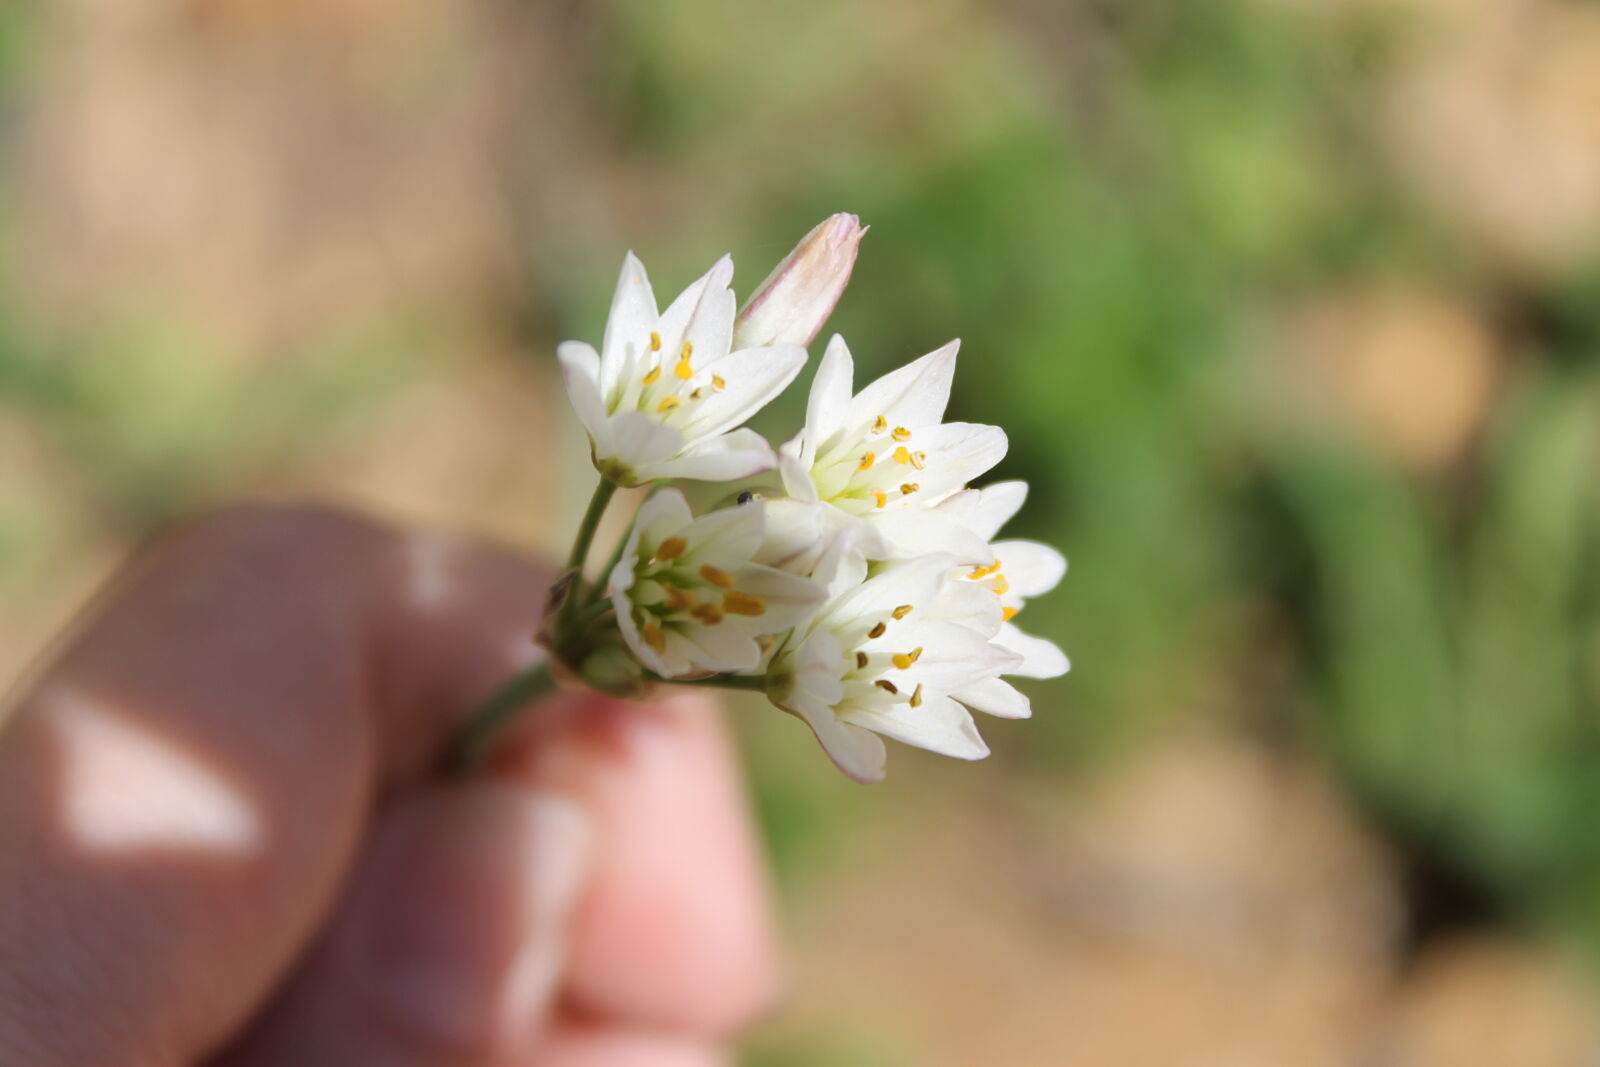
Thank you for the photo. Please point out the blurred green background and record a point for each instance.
(1291, 309)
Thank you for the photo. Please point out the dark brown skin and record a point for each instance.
(223, 842)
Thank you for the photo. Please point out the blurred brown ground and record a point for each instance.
(276, 173)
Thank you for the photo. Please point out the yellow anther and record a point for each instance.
(880, 496)
(984, 572)
(717, 383)
(919, 460)
(683, 370)
(677, 599)
(1009, 613)
(654, 638)
(1001, 586)
(716, 576)
(867, 460)
(668, 404)
(686, 351)
(709, 614)
(670, 549)
(916, 697)
(901, 434)
(909, 487)
(902, 454)
(902, 611)
(880, 424)
(904, 660)
(861, 661)
(696, 394)
(736, 603)
(655, 341)
(652, 375)
(877, 631)
(886, 685)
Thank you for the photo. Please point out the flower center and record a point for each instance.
(867, 471)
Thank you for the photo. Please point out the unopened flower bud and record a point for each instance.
(791, 306)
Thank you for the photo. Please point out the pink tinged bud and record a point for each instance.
(790, 307)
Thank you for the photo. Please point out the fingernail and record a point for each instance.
(465, 937)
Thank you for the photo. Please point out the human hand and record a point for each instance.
(222, 843)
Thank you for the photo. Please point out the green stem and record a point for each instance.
(580, 554)
(476, 736)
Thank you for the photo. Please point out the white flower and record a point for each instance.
(690, 599)
(800, 293)
(662, 396)
(890, 655)
(1019, 570)
(885, 457)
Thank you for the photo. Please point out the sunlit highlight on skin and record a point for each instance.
(126, 790)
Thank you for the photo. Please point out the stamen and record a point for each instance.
(709, 614)
(1009, 613)
(861, 661)
(880, 496)
(902, 454)
(886, 685)
(880, 424)
(867, 460)
(655, 341)
(683, 370)
(904, 660)
(877, 631)
(901, 434)
(1001, 586)
(652, 375)
(919, 460)
(717, 383)
(902, 611)
(696, 394)
(677, 599)
(736, 603)
(668, 404)
(670, 549)
(916, 698)
(909, 487)
(654, 638)
(716, 576)
(984, 572)
(686, 351)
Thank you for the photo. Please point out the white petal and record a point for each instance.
(795, 473)
(997, 504)
(913, 582)
(995, 696)
(952, 655)
(958, 452)
(857, 752)
(751, 377)
(665, 514)
(638, 441)
(718, 459)
(724, 648)
(580, 368)
(914, 531)
(829, 399)
(702, 313)
(800, 293)
(632, 317)
(727, 537)
(1040, 658)
(940, 725)
(914, 396)
(1031, 569)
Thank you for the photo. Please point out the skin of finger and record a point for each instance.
(677, 931)
(448, 948)
(574, 1045)
(279, 662)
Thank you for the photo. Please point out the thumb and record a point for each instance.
(449, 942)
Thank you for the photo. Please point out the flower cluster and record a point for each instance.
(853, 574)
